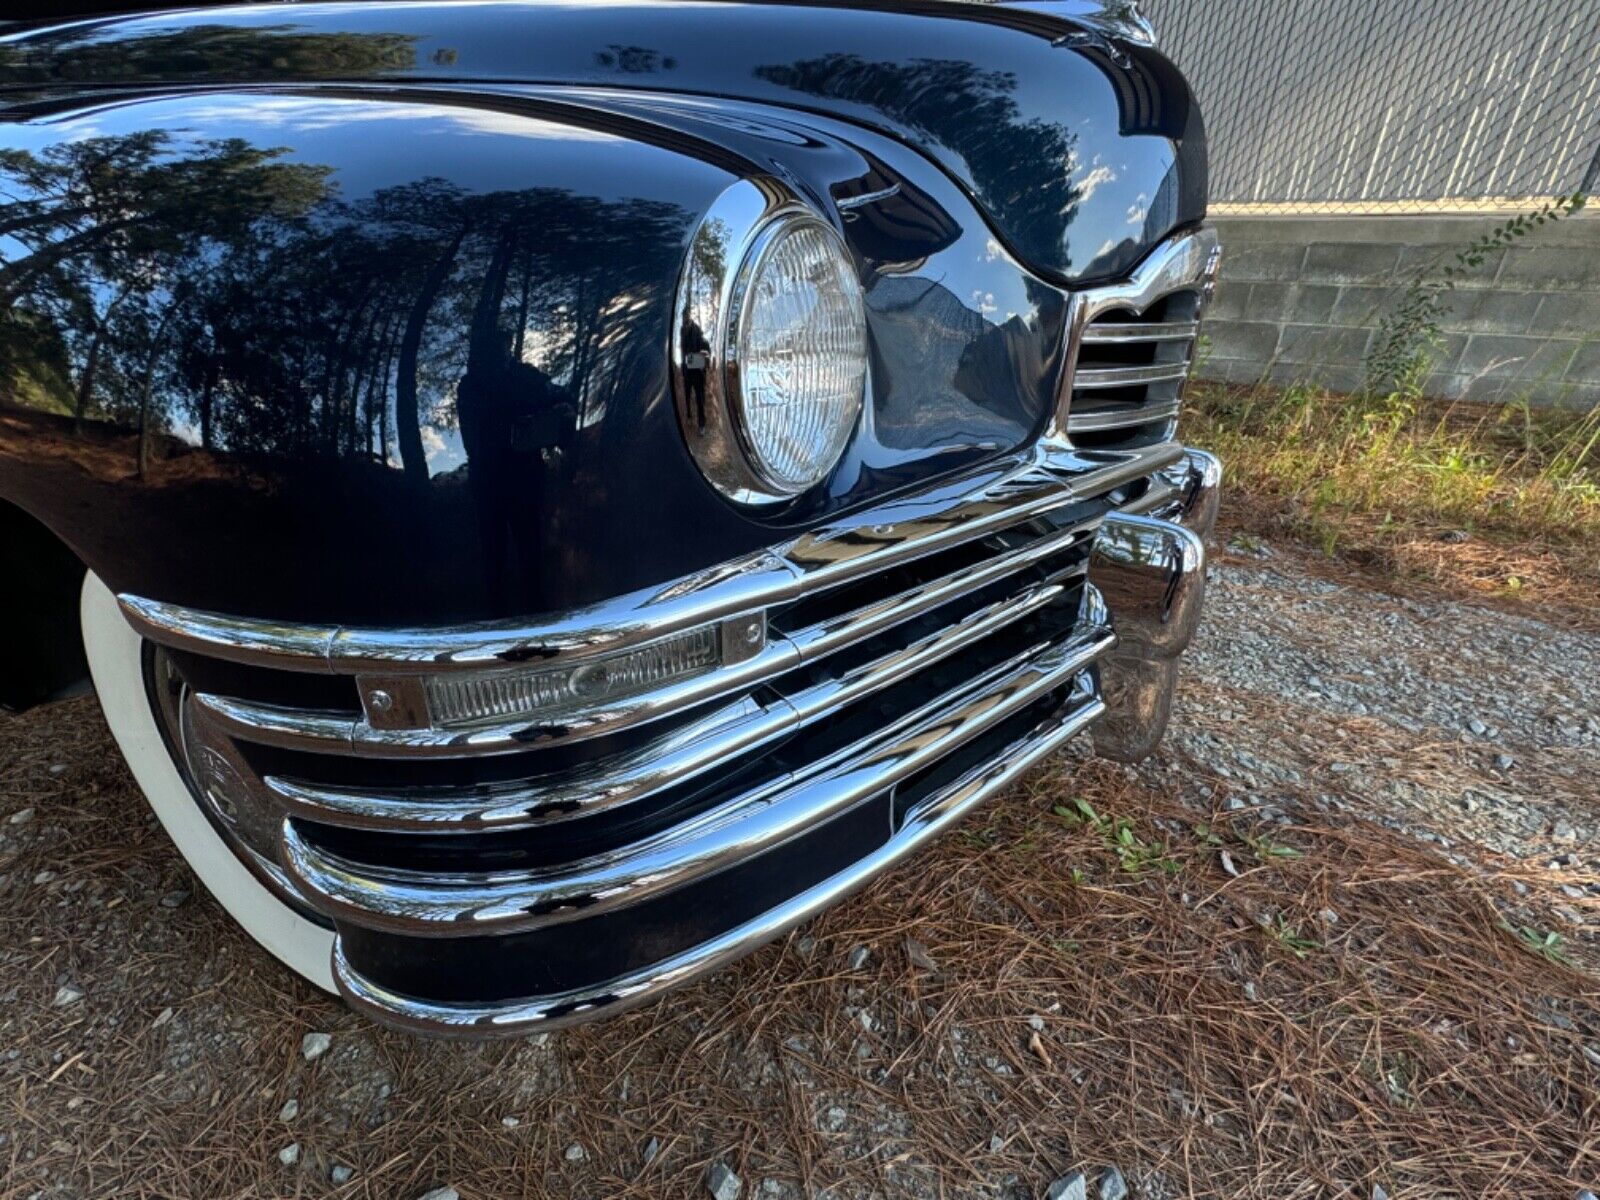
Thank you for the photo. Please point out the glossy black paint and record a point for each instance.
(360, 313)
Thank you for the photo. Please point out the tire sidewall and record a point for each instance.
(116, 663)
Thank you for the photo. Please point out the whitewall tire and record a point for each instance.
(116, 661)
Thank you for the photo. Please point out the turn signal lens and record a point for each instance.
(591, 683)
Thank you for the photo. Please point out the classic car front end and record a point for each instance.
(569, 492)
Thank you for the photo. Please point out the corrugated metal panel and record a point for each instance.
(1352, 105)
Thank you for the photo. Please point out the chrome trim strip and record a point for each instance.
(537, 1014)
(292, 729)
(682, 755)
(1113, 377)
(1118, 333)
(1189, 493)
(453, 905)
(896, 531)
(1122, 418)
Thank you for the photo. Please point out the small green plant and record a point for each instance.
(1265, 848)
(1134, 854)
(1288, 936)
(1549, 946)
(1409, 334)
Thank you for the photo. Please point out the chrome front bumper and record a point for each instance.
(523, 874)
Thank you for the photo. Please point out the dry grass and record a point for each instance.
(1499, 501)
(1209, 1030)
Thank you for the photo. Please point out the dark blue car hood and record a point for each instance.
(1078, 140)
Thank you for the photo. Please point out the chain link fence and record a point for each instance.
(1373, 106)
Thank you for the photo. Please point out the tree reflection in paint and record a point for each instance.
(225, 296)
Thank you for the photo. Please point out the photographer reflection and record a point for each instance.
(516, 428)
(696, 363)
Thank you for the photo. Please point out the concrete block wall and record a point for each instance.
(1300, 297)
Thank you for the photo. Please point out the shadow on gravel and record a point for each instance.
(1103, 967)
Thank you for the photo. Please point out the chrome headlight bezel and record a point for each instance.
(726, 254)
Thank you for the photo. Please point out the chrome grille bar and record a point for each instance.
(897, 531)
(441, 904)
(936, 813)
(1114, 377)
(1184, 265)
(1119, 333)
(890, 535)
(682, 755)
(1095, 420)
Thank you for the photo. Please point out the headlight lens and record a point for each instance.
(797, 353)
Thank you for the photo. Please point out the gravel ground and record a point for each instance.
(1280, 959)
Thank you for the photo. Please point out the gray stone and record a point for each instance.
(174, 899)
(314, 1045)
(1232, 300)
(290, 1154)
(1112, 1185)
(834, 1118)
(1308, 303)
(1491, 311)
(290, 1109)
(1068, 1187)
(721, 1182)
(162, 1018)
(996, 1143)
(1549, 268)
(1586, 1194)
(1563, 831)
(440, 1193)
(21, 817)
(1477, 727)
(920, 958)
(341, 1174)
(651, 1149)
(1278, 259)
(1379, 1192)
(1251, 341)
(576, 1153)
(1325, 344)
(67, 994)
(1350, 262)
(511, 1122)
(859, 957)
(1504, 762)
(1362, 305)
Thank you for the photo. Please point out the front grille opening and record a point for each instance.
(1127, 416)
(944, 564)
(566, 841)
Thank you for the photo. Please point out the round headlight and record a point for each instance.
(796, 353)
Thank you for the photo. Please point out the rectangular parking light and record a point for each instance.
(592, 682)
